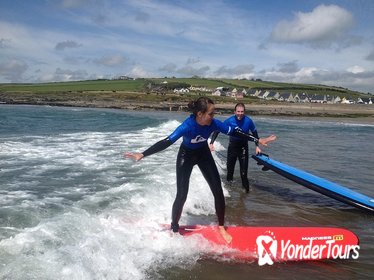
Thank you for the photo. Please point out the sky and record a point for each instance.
(296, 41)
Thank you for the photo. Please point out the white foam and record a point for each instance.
(77, 244)
(110, 233)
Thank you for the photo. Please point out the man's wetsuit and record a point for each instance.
(195, 150)
(238, 148)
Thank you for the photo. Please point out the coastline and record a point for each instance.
(348, 113)
(360, 113)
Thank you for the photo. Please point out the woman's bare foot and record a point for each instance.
(225, 235)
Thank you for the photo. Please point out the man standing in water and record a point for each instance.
(238, 147)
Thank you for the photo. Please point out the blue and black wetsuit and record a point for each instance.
(195, 150)
(238, 148)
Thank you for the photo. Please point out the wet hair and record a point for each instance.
(240, 105)
(200, 105)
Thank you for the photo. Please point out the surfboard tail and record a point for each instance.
(268, 245)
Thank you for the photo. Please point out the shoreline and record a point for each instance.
(348, 112)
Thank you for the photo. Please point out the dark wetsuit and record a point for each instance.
(194, 150)
(238, 148)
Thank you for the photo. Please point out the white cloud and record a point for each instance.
(152, 18)
(111, 60)
(206, 38)
(64, 75)
(361, 80)
(70, 75)
(323, 25)
(169, 68)
(188, 70)
(13, 69)
(243, 70)
(288, 67)
(356, 69)
(139, 72)
(306, 72)
(192, 60)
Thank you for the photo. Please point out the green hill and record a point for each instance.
(158, 94)
(140, 85)
(131, 88)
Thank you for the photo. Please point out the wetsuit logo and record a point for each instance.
(198, 139)
(266, 249)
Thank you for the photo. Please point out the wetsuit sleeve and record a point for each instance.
(223, 127)
(158, 147)
(214, 136)
(239, 133)
(255, 134)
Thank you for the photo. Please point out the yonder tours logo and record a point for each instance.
(322, 247)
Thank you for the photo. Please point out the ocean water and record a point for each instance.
(72, 207)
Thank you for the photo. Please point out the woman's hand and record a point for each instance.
(258, 150)
(135, 156)
(265, 141)
(211, 147)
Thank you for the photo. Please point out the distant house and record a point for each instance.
(262, 94)
(181, 90)
(318, 98)
(239, 95)
(234, 92)
(258, 93)
(251, 92)
(364, 100)
(304, 98)
(217, 92)
(125, 78)
(347, 101)
(337, 99)
(296, 98)
(221, 91)
(199, 88)
(333, 99)
(272, 95)
(287, 97)
(329, 99)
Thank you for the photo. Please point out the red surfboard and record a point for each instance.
(278, 244)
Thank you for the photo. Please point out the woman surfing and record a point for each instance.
(194, 150)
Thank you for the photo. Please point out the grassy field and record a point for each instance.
(140, 86)
(79, 86)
